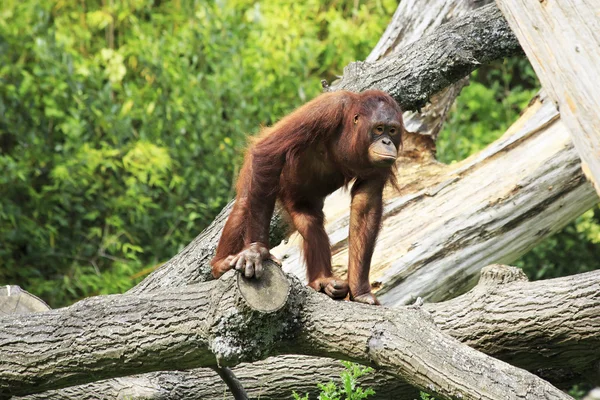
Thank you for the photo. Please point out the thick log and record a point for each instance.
(414, 19)
(453, 51)
(209, 324)
(562, 41)
(525, 323)
(55, 348)
(533, 325)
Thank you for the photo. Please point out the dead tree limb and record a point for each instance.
(533, 325)
(202, 325)
(562, 42)
(452, 52)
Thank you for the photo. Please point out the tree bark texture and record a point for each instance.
(562, 41)
(533, 325)
(414, 19)
(208, 324)
(434, 62)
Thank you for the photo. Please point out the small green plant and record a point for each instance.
(425, 396)
(349, 388)
(579, 391)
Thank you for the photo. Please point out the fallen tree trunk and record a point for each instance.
(568, 69)
(453, 52)
(504, 316)
(202, 325)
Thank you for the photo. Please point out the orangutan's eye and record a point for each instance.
(393, 131)
(379, 129)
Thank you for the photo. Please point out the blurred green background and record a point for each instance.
(122, 125)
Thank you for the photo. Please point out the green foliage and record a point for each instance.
(425, 396)
(579, 391)
(122, 123)
(349, 388)
(575, 249)
(481, 114)
(486, 108)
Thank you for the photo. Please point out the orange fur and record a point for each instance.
(308, 154)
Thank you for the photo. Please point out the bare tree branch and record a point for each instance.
(202, 325)
(437, 60)
(504, 316)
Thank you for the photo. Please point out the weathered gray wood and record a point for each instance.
(562, 41)
(54, 348)
(267, 294)
(412, 20)
(14, 300)
(202, 325)
(452, 52)
(504, 316)
(118, 335)
(523, 322)
(272, 379)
